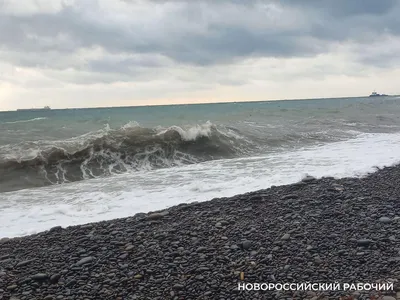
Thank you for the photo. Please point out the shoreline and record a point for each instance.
(318, 230)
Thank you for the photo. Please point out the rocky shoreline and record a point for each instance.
(317, 231)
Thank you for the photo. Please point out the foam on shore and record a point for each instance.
(29, 211)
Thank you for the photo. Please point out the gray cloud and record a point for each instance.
(125, 65)
(201, 33)
(345, 8)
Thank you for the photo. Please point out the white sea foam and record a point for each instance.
(192, 133)
(130, 124)
(28, 211)
(25, 121)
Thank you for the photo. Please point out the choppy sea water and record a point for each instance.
(65, 167)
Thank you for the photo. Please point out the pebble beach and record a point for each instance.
(318, 230)
(199, 150)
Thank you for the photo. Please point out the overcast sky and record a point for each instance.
(85, 53)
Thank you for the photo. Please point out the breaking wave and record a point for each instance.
(113, 151)
(133, 148)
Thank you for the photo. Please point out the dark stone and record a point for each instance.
(201, 249)
(156, 216)
(12, 287)
(55, 278)
(394, 259)
(289, 197)
(24, 263)
(71, 283)
(40, 277)
(364, 242)
(55, 229)
(385, 220)
(85, 260)
(256, 198)
(178, 286)
(246, 245)
(123, 256)
(4, 257)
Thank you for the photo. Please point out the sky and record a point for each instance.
(95, 53)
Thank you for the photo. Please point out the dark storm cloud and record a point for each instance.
(221, 44)
(188, 35)
(360, 20)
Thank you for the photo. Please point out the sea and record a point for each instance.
(75, 166)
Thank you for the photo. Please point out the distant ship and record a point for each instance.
(375, 94)
(34, 109)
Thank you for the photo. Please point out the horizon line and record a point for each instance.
(199, 103)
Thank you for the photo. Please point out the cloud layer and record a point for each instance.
(195, 45)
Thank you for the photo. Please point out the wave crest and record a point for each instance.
(112, 151)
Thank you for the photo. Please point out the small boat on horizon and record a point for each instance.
(34, 109)
(375, 94)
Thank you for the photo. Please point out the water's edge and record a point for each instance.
(209, 203)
